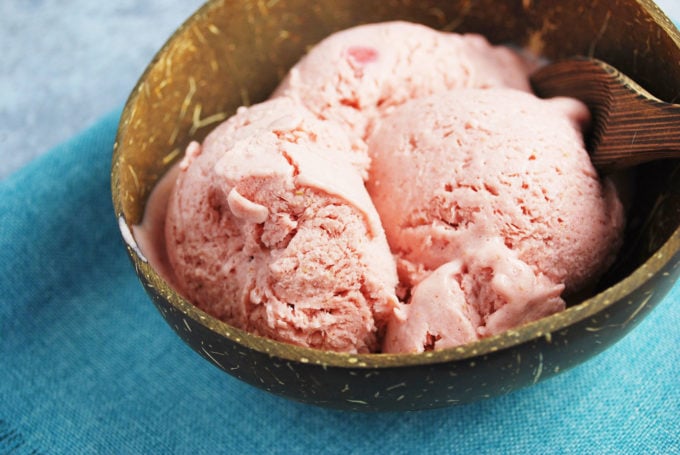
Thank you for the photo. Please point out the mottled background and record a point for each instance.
(66, 63)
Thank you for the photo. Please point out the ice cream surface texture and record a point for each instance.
(401, 191)
(270, 228)
(358, 75)
(498, 211)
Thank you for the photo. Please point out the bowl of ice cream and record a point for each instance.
(279, 213)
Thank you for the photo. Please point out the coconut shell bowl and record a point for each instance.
(234, 52)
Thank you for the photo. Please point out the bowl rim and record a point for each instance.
(542, 328)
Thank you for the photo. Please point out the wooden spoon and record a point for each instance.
(630, 126)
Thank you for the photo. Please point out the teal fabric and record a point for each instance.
(87, 365)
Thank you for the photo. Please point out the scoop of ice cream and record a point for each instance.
(487, 197)
(270, 228)
(359, 74)
(491, 204)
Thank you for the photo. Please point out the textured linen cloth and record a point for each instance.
(87, 364)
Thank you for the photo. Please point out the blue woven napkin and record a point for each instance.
(88, 365)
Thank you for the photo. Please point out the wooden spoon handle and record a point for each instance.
(639, 128)
(630, 126)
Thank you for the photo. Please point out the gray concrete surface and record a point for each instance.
(66, 63)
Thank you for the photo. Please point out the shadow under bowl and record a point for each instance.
(231, 53)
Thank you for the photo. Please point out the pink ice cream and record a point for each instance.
(402, 191)
(493, 209)
(270, 229)
(358, 75)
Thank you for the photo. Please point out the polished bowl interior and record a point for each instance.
(232, 53)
